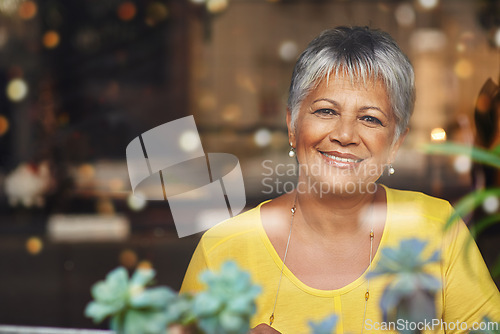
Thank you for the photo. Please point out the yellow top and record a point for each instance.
(467, 295)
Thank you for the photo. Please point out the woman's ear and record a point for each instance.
(397, 144)
(291, 128)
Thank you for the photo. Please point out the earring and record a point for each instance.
(391, 170)
(291, 153)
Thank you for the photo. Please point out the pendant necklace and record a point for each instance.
(367, 294)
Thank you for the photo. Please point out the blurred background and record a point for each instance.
(80, 79)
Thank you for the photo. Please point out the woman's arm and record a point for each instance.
(469, 292)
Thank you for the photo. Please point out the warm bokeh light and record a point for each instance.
(144, 264)
(483, 103)
(438, 134)
(207, 102)
(105, 206)
(4, 125)
(27, 10)
(262, 137)
(126, 11)
(405, 15)
(34, 245)
(128, 258)
(51, 39)
(116, 185)
(9, 7)
(216, 6)
(17, 89)
(463, 68)
(86, 172)
(231, 112)
(155, 13)
(189, 141)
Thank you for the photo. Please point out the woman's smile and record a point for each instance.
(341, 160)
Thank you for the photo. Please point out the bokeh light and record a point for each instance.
(27, 10)
(207, 102)
(216, 6)
(490, 204)
(4, 125)
(405, 15)
(126, 11)
(137, 201)
(144, 264)
(128, 258)
(428, 4)
(288, 51)
(34, 245)
(105, 206)
(155, 13)
(438, 134)
(462, 164)
(116, 185)
(231, 112)
(496, 38)
(51, 39)
(9, 7)
(86, 172)
(189, 141)
(262, 137)
(483, 103)
(17, 89)
(463, 68)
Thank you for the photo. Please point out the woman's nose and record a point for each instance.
(345, 131)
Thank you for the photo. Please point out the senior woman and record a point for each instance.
(350, 100)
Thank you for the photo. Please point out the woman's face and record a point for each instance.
(343, 136)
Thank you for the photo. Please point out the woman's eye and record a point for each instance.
(371, 119)
(325, 112)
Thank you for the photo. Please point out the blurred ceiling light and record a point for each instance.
(463, 68)
(17, 89)
(427, 40)
(27, 10)
(9, 7)
(136, 201)
(438, 134)
(405, 15)
(216, 6)
(490, 204)
(126, 11)
(496, 38)
(428, 4)
(288, 51)
(34, 245)
(155, 13)
(189, 141)
(4, 125)
(198, 1)
(262, 137)
(462, 164)
(51, 39)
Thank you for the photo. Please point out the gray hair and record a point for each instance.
(365, 55)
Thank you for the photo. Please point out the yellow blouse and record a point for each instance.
(467, 295)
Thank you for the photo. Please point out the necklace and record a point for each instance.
(367, 294)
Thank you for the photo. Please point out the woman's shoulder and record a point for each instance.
(234, 229)
(408, 202)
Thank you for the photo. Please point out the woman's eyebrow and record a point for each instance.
(364, 108)
(327, 100)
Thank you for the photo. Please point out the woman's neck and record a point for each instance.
(334, 215)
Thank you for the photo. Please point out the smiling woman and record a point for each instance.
(312, 249)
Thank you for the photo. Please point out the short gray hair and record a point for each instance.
(365, 55)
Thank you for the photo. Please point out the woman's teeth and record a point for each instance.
(341, 159)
